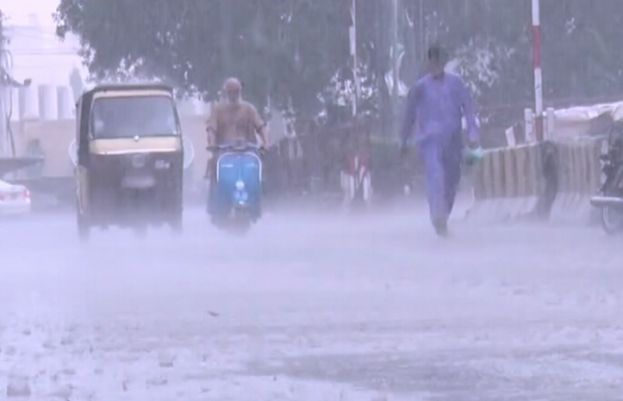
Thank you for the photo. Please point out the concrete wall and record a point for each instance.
(54, 138)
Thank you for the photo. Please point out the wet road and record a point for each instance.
(310, 307)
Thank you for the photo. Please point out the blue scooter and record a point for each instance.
(235, 196)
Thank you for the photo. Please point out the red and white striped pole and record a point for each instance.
(538, 75)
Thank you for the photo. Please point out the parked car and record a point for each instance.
(14, 199)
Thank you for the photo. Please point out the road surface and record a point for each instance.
(311, 307)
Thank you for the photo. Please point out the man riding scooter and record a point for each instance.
(233, 124)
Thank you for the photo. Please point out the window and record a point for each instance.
(126, 117)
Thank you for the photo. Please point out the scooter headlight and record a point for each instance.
(240, 185)
(241, 197)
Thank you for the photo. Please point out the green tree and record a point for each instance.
(284, 51)
(288, 51)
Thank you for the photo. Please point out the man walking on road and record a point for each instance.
(436, 105)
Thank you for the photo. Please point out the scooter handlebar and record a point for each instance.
(237, 148)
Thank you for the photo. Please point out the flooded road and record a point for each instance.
(309, 307)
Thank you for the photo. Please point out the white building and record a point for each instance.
(36, 52)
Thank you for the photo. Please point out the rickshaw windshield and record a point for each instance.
(129, 116)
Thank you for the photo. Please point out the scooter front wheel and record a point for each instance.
(240, 226)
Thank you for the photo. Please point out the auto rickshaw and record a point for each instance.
(129, 158)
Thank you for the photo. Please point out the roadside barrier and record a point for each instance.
(579, 177)
(508, 184)
(539, 181)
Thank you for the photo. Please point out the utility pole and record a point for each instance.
(538, 75)
(422, 41)
(7, 83)
(4, 85)
(353, 52)
(395, 72)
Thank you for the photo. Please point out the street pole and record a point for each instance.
(538, 75)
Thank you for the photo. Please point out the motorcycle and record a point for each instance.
(235, 194)
(610, 198)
